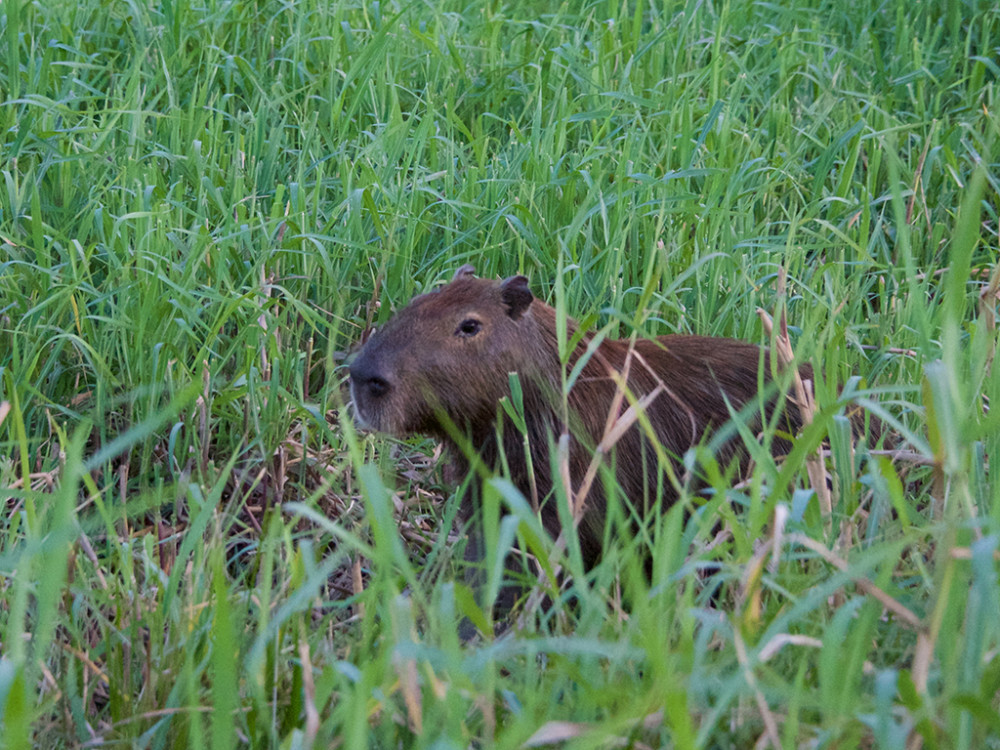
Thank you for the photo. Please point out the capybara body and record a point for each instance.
(441, 366)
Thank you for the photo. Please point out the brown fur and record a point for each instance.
(442, 363)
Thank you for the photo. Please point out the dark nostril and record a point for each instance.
(365, 377)
(376, 386)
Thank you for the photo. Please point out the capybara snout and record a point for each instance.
(368, 387)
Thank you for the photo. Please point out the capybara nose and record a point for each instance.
(373, 384)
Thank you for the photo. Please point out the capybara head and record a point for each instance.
(446, 357)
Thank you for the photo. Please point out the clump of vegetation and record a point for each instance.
(204, 208)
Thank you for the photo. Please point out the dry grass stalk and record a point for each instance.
(815, 466)
(409, 685)
(309, 693)
(357, 586)
(903, 613)
(770, 723)
(964, 553)
(773, 646)
(202, 404)
(918, 185)
(987, 314)
(615, 426)
(556, 732)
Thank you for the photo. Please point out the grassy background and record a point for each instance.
(203, 206)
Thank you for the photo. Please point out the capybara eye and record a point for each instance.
(468, 327)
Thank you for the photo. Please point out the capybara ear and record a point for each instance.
(466, 271)
(515, 294)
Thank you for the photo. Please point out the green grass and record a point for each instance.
(203, 206)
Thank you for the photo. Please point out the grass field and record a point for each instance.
(204, 206)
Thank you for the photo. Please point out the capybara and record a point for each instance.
(441, 366)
